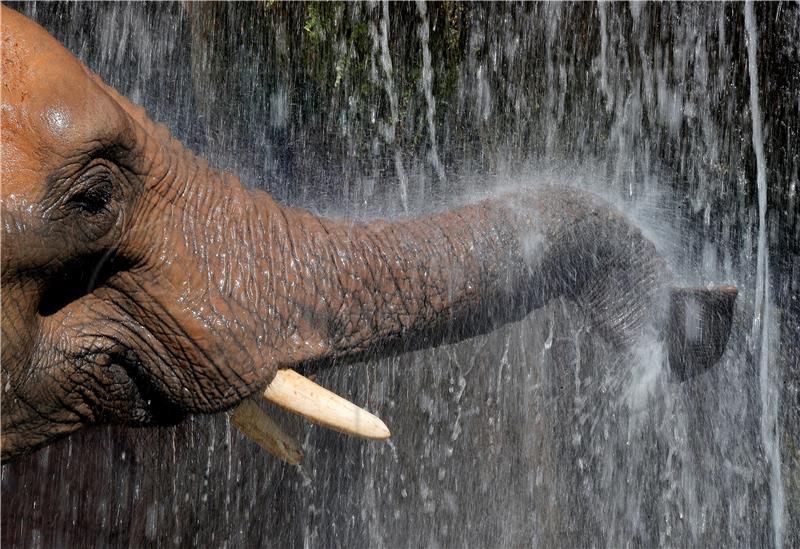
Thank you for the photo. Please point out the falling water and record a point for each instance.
(427, 85)
(538, 433)
(770, 434)
(390, 130)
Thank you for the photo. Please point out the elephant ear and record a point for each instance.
(698, 328)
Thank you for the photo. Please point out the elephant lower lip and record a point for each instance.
(13, 446)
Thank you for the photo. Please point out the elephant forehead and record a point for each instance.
(52, 110)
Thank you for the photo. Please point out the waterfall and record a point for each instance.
(770, 433)
(683, 115)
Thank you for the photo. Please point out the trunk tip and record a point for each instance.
(698, 328)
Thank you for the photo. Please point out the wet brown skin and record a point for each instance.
(139, 285)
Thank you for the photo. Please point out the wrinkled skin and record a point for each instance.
(139, 285)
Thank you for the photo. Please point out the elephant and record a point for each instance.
(140, 285)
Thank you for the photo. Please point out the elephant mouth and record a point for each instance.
(147, 404)
(105, 387)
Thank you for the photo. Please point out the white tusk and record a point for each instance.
(299, 395)
(256, 425)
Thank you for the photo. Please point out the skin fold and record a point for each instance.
(139, 285)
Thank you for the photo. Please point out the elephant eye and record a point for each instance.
(92, 204)
(92, 195)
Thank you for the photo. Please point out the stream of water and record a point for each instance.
(528, 436)
(770, 434)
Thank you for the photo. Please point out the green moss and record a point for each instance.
(313, 26)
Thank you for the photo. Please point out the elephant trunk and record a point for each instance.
(339, 291)
(335, 291)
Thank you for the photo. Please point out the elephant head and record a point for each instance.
(140, 285)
